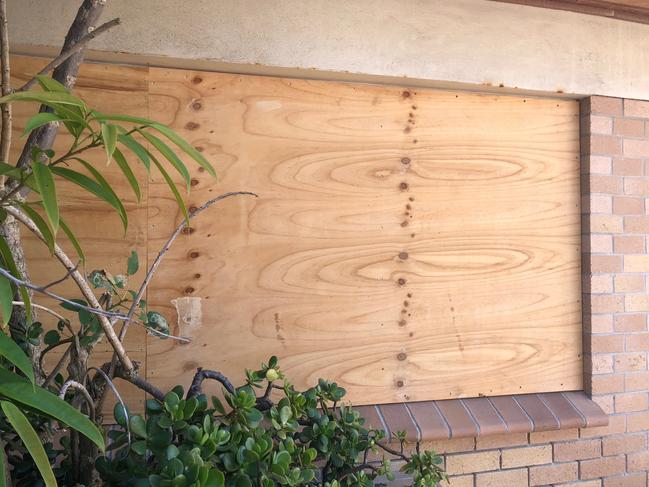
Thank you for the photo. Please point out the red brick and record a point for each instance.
(458, 481)
(557, 435)
(629, 480)
(630, 322)
(637, 421)
(604, 263)
(629, 283)
(628, 127)
(605, 184)
(628, 244)
(618, 445)
(504, 477)
(599, 244)
(607, 403)
(605, 105)
(526, 456)
(607, 384)
(552, 474)
(598, 283)
(616, 425)
(500, 441)
(630, 362)
(637, 342)
(602, 467)
(636, 224)
(599, 364)
(638, 462)
(603, 223)
(631, 402)
(628, 167)
(598, 323)
(636, 186)
(632, 147)
(628, 205)
(607, 343)
(596, 165)
(636, 302)
(454, 445)
(472, 462)
(609, 145)
(606, 303)
(577, 450)
(638, 381)
(596, 203)
(632, 108)
(601, 125)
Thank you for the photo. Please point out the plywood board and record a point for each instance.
(410, 245)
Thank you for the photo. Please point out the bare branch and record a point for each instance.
(57, 368)
(196, 388)
(112, 387)
(66, 54)
(83, 286)
(139, 382)
(59, 281)
(39, 306)
(5, 133)
(71, 384)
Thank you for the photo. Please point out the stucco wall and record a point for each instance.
(465, 41)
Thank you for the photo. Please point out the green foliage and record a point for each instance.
(303, 439)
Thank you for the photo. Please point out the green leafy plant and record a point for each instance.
(278, 437)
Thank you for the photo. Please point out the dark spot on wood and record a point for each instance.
(197, 105)
(405, 94)
(406, 303)
(404, 311)
(414, 141)
(406, 130)
(414, 107)
(192, 125)
(408, 207)
(197, 276)
(403, 186)
(412, 235)
(194, 254)
(199, 148)
(188, 230)
(412, 198)
(403, 255)
(399, 383)
(402, 323)
(197, 79)
(401, 281)
(193, 182)
(411, 334)
(402, 356)
(189, 290)
(405, 160)
(409, 295)
(404, 223)
(201, 169)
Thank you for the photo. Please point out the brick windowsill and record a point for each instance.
(482, 416)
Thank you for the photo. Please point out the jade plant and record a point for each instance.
(264, 433)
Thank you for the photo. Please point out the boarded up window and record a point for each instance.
(409, 244)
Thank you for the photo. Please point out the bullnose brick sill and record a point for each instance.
(483, 416)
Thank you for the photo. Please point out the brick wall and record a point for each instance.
(615, 206)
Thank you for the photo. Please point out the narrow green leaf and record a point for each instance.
(41, 119)
(93, 187)
(136, 148)
(73, 239)
(41, 224)
(8, 260)
(168, 154)
(132, 263)
(10, 171)
(20, 390)
(109, 138)
(50, 84)
(47, 189)
(167, 132)
(189, 149)
(48, 98)
(14, 354)
(126, 169)
(108, 190)
(31, 441)
(6, 297)
(172, 186)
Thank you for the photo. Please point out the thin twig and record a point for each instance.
(57, 368)
(196, 388)
(83, 286)
(112, 387)
(59, 281)
(41, 307)
(72, 384)
(80, 45)
(5, 133)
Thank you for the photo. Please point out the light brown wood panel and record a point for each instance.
(111, 89)
(410, 245)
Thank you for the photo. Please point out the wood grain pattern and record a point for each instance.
(410, 245)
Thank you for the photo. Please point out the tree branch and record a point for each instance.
(65, 55)
(5, 133)
(196, 388)
(83, 286)
(71, 384)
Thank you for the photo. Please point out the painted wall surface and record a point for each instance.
(465, 41)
